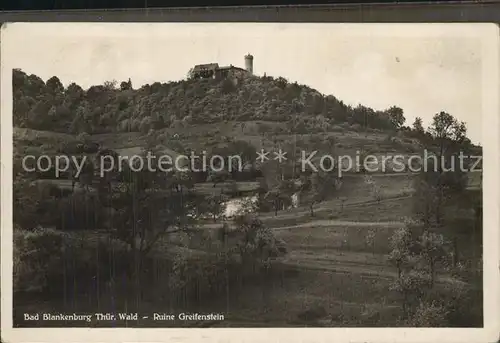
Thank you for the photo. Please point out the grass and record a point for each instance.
(344, 298)
(337, 237)
(283, 303)
(390, 210)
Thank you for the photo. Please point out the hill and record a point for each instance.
(203, 112)
(203, 115)
(106, 108)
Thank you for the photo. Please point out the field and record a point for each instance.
(332, 276)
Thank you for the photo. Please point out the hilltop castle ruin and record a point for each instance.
(214, 71)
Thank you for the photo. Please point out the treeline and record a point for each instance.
(48, 105)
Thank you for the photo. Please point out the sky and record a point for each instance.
(422, 68)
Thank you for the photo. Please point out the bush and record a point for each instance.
(37, 258)
(429, 315)
(35, 204)
(246, 254)
(49, 261)
(198, 278)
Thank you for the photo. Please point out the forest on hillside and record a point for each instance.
(121, 108)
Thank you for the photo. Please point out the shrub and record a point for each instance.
(37, 258)
(34, 204)
(429, 315)
(49, 261)
(246, 254)
(196, 278)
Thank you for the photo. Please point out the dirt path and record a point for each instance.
(322, 223)
(333, 222)
(329, 206)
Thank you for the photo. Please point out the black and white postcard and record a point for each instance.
(249, 182)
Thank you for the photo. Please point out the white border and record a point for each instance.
(488, 33)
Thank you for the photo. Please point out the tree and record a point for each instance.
(257, 243)
(74, 91)
(145, 214)
(126, 85)
(314, 190)
(370, 240)
(424, 198)
(396, 116)
(37, 257)
(21, 109)
(19, 79)
(86, 176)
(54, 85)
(448, 134)
(429, 314)
(109, 85)
(52, 113)
(415, 255)
(274, 172)
(432, 250)
(281, 82)
(244, 150)
(375, 189)
(400, 245)
(279, 195)
(412, 285)
(109, 161)
(417, 125)
(447, 130)
(462, 305)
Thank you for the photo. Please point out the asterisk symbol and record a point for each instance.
(262, 155)
(280, 155)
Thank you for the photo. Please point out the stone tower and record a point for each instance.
(249, 63)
